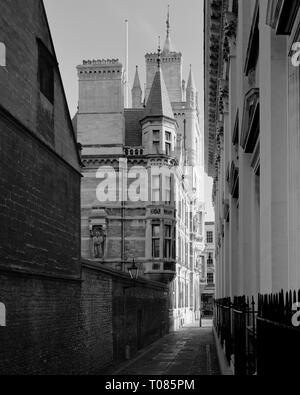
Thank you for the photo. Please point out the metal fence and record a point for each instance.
(235, 322)
(260, 335)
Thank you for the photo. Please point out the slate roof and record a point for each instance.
(158, 102)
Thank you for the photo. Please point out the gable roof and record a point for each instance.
(70, 123)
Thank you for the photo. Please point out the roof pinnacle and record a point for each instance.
(159, 53)
(168, 22)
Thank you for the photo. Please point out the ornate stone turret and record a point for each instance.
(171, 64)
(158, 103)
(136, 91)
(159, 125)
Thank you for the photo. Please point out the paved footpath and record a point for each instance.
(190, 351)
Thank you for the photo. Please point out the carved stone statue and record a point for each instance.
(98, 243)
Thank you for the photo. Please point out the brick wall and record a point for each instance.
(22, 22)
(40, 336)
(57, 326)
(39, 205)
(97, 325)
(140, 315)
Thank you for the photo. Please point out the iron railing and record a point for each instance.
(260, 335)
(235, 322)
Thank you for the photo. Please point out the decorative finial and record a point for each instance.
(168, 22)
(159, 52)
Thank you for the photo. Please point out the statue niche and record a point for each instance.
(98, 236)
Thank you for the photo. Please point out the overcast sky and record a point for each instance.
(95, 29)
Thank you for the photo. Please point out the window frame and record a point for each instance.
(155, 189)
(168, 241)
(168, 143)
(154, 239)
(212, 277)
(209, 237)
(46, 72)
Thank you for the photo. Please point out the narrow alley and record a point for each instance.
(190, 351)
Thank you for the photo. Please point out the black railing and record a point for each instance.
(235, 325)
(260, 337)
(278, 334)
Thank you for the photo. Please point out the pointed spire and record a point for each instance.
(191, 91)
(137, 83)
(167, 46)
(191, 82)
(136, 91)
(158, 102)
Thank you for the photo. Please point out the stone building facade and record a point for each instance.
(58, 314)
(252, 142)
(143, 175)
(208, 287)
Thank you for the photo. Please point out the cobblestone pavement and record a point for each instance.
(190, 351)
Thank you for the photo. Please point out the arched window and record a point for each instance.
(2, 55)
(2, 315)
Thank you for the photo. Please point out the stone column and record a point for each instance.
(273, 138)
(293, 176)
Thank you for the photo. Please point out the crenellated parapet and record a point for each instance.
(106, 62)
(100, 69)
(170, 57)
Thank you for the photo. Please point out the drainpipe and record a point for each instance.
(184, 140)
(123, 169)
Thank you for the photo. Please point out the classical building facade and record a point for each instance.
(208, 287)
(252, 142)
(143, 174)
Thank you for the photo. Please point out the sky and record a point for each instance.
(95, 29)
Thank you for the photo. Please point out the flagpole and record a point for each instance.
(127, 66)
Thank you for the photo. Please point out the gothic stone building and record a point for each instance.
(143, 175)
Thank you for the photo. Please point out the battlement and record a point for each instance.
(174, 57)
(102, 62)
(100, 69)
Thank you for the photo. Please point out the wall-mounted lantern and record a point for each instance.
(133, 271)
